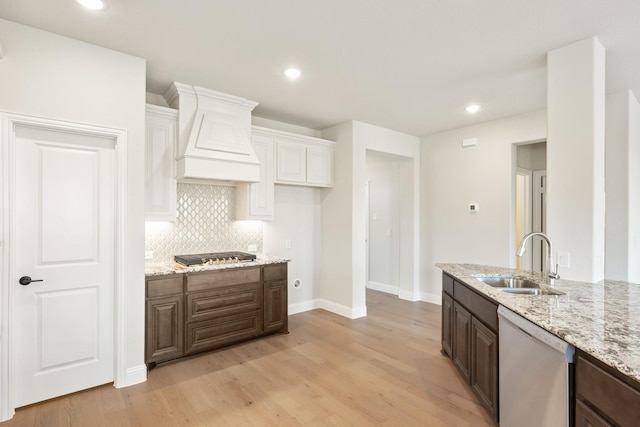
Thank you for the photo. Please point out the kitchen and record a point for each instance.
(116, 80)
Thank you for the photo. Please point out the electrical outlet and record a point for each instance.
(252, 248)
(287, 244)
(148, 254)
(564, 260)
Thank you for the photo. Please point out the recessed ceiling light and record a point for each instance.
(93, 4)
(292, 73)
(473, 108)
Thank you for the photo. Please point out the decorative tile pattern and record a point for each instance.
(205, 223)
(601, 319)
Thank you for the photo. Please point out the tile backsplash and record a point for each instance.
(205, 223)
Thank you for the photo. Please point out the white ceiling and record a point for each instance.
(408, 65)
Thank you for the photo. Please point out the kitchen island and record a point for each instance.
(601, 320)
(204, 307)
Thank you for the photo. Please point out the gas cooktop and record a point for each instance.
(214, 258)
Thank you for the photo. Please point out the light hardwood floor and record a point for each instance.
(382, 370)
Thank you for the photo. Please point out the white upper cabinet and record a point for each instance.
(292, 166)
(256, 201)
(304, 160)
(320, 165)
(160, 182)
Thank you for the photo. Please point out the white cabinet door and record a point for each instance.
(320, 165)
(160, 191)
(292, 162)
(256, 201)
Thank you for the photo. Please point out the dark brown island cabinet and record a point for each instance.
(604, 397)
(470, 339)
(199, 311)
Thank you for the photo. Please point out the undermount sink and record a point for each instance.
(530, 291)
(508, 282)
(517, 285)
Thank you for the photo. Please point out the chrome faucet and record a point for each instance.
(548, 272)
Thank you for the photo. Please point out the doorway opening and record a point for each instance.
(530, 202)
(388, 221)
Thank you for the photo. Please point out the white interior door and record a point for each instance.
(64, 235)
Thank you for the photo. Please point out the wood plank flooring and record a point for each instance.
(382, 370)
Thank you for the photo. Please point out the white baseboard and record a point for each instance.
(432, 298)
(339, 309)
(133, 376)
(409, 296)
(382, 287)
(342, 310)
(301, 307)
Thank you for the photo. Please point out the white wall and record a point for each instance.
(634, 189)
(335, 289)
(617, 186)
(452, 177)
(622, 187)
(532, 156)
(344, 210)
(47, 75)
(297, 218)
(383, 177)
(575, 142)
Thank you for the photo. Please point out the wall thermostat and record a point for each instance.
(474, 207)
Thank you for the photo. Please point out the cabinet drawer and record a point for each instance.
(585, 417)
(210, 280)
(275, 272)
(223, 301)
(165, 286)
(447, 284)
(223, 331)
(611, 396)
(481, 308)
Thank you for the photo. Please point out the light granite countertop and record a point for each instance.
(602, 319)
(167, 268)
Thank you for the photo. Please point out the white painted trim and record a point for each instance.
(132, 376)
(7, 408)
(383, 287)
(342, 310)
(431, 298)
(301, 307)
(409, 295)
(8, 122)
(524, 262)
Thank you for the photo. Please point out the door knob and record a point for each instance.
(25, 280)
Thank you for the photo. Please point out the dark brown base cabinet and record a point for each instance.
(604, 397)
(470, 339)
(200, 311)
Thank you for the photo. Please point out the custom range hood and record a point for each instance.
(214, 140)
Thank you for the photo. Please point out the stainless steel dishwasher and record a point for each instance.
(534, 374)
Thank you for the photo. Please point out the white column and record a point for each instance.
(575, 157)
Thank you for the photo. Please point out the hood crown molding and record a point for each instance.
(214, 135)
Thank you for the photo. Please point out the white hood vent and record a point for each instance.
(214, 135)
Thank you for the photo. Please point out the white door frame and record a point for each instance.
(526, 219)
(539, 218)
(8, 123)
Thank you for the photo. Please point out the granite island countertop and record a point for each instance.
(602, 319)
(167, 268)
